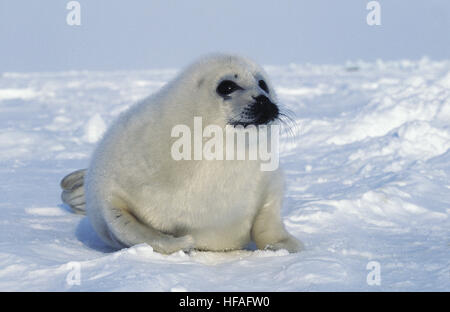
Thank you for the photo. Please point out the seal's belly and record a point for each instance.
(217, 210)
(233, 236)
(218, 223)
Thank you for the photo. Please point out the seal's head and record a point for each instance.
(259, 110)
(234, 89)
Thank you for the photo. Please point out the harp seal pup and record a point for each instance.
(135, 192)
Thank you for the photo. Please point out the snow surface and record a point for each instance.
(367, 180)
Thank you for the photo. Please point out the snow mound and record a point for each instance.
(94, 129)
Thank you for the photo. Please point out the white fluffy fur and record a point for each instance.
(136, 193)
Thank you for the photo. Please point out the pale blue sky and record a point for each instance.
(142, 34)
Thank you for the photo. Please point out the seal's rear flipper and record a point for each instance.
(73, 191)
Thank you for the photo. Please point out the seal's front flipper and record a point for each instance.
(268, 231)
(73, 191)
(127, 229)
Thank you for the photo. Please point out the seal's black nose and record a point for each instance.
(261, 98)
(264, 109)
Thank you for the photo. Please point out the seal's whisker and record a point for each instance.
(291, 126)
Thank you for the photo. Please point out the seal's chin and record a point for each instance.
(260, 112)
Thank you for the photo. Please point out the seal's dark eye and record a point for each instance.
(262, 84)
(227, 87)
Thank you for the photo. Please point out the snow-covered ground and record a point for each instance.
(368, 179)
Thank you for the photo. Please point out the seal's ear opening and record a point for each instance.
(200, 82)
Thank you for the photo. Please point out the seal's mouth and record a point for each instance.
(262, 111)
